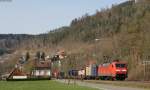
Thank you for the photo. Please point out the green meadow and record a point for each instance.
(39, 85)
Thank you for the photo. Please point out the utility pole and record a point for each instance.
(69, 66)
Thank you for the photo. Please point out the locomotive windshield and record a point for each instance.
(120, 65)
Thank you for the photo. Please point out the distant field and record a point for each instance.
(39, 85)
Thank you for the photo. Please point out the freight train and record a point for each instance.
(116, 70)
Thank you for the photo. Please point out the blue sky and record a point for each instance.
(40, 16)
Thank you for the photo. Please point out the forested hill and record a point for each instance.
(12, 40)
(126, 17)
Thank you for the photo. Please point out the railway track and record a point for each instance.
(138, 84)
(126, 81)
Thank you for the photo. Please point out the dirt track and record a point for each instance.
(99, 86)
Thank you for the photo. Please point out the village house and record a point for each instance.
(42, 70)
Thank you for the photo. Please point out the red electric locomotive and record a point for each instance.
(117, 70)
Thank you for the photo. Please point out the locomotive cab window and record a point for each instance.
(120, 65)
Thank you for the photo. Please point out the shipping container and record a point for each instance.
(82, 72)
(73, 72)
(87, 71)
(94, 71)
(91, 71)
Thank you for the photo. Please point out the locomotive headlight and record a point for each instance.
(117, 70)
(124, 70)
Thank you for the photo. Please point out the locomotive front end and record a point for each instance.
(121, 71)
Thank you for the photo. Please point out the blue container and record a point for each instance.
(73, 72)
(94, 70)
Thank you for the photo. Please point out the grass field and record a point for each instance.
(39, 85)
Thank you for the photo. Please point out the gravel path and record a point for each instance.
(99, 86)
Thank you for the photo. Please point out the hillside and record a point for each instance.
(121, 32)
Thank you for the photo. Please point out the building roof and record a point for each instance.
(43, 64)
(16, 72)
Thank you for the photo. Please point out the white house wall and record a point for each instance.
(42, 72)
